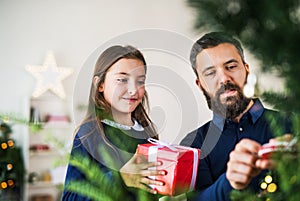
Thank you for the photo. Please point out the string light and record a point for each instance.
(263, 185)
(268, 179)
(3, 185)
(49, 77)
(3, 145)
(10, 183)
(9, 166)
(10, 143)
(272, 188)
(268, 185)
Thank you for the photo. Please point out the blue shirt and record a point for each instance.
(217, 139)
(109, 158)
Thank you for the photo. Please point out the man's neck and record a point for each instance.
(238, 118)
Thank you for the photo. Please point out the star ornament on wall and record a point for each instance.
(49, 77)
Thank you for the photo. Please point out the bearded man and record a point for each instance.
(230, 142)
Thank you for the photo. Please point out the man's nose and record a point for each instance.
(223, 76)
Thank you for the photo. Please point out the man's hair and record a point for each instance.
(213, 39)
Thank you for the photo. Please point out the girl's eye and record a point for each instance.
(122, 80)
(141, 82)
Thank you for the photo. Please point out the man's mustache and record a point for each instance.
(227, 86)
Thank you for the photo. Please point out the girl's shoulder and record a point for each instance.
(87, 128)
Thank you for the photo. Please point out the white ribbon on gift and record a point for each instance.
(152, 157)
(161, 143)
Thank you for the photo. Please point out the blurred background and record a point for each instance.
(75, 32)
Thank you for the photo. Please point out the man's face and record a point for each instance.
(221, 76)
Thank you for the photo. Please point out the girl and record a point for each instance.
(115, 123)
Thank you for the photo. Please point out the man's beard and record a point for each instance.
(237, 105)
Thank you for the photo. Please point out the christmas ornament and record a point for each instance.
(49, 77)
(268, 148)
(249, 88)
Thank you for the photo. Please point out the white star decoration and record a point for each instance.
(49, 77)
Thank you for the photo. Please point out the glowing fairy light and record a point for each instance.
(268, 185)
(263, 185)
(268, 179)
(272, 188)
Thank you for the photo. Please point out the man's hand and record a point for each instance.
(137, 174)
(241, 166)
(244, 162)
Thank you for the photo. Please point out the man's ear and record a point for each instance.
(247, 68)
(201, 85)
(96, 81)
(198, 83)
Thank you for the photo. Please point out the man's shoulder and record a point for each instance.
(279, 119)
(275, 114)
(196, 137)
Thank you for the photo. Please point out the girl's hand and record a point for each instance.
(137, 174)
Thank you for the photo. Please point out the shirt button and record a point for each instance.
(241, 129)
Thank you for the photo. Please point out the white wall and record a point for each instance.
(74, 30)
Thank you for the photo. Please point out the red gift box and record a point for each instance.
(179, 162)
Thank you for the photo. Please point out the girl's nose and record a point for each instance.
(132, 89)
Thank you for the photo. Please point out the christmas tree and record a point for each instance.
(270, 30)
(11, 166)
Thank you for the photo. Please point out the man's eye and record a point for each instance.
(231, 68)
(209, 73)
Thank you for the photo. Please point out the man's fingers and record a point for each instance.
(243, 157)
(265, 164)
(247, 145)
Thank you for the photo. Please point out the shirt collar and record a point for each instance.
(255, 112)
(136, 126)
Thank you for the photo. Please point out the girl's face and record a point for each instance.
(124, 85)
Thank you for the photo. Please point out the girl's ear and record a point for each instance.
(96, 80)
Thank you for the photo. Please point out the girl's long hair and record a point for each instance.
(99, 108)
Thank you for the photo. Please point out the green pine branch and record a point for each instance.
(96, 185)
(89, 190)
